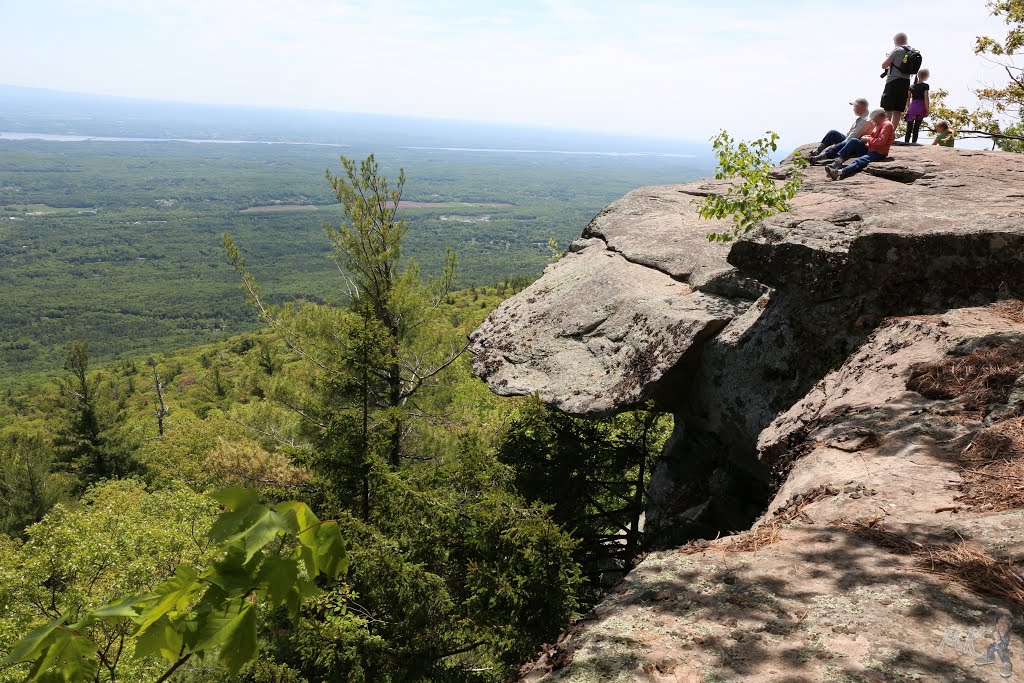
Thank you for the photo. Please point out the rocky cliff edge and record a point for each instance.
(848, 388)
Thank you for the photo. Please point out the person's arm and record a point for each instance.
(927, 102)
(888, 60)
(935, 141)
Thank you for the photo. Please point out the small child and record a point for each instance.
(943, 135)
(920, 106)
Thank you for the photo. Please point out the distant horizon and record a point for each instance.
(368, 114)
(662, 69)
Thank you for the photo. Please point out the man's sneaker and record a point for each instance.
(833, 172)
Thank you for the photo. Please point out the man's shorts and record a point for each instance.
(895, 95)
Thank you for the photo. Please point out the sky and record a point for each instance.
(678, 69)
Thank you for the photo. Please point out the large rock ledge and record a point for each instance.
(596, 332)
(847, 383)
(880, 547)
(950, 230)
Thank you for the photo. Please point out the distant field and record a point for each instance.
(404, 204)
(407, 204)
(275, 208)
(23, 210)
(118, 243)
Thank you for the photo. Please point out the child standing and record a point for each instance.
(943, 135)
(920, 106)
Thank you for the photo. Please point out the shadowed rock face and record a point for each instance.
(869, 563)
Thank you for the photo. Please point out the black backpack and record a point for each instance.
(911, 63)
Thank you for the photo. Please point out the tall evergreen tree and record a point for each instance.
(90, 440)
(367, 246)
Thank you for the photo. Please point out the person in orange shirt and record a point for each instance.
(872, 147)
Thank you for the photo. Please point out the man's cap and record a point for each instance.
(863, 101)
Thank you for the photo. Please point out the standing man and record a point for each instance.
(897, 83)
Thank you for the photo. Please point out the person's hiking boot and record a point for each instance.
(1006, 669)
(990, 658)
(834, 172)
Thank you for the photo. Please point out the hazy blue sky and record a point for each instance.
(668, 68)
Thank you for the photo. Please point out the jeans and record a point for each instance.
(860, 163)
(854, 148)
(831, 139)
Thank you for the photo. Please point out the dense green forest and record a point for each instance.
(474, 528)
(117, 243)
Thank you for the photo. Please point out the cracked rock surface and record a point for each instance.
(622, 318)
(613, 326)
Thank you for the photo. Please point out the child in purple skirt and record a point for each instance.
(919, 108)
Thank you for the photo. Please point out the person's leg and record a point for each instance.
(854, 147)
(909, 133)
(859, 164)
(832, 152)
(833, 137)
(855, 166)
(895, 117)
(917, 129)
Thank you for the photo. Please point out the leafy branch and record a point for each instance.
(198, 613)
(755, 194)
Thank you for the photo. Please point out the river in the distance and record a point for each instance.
(52, 137)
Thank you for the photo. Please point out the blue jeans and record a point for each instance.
(831, 139)
(855, 149)
(860, 163)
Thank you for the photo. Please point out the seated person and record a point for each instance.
(861, 126)
(872, 147)
(943, 135)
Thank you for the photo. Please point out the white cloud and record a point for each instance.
(484, 21)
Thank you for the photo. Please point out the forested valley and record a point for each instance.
(438, 533)
(117, 243)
